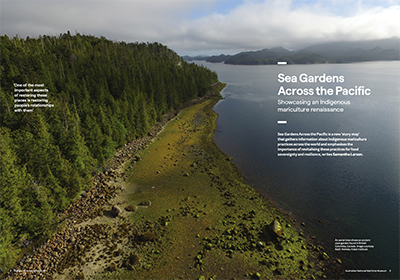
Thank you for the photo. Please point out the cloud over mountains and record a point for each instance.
(219, 25)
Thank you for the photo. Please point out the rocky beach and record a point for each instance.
(171, 205)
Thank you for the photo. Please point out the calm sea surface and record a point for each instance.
(353, 197)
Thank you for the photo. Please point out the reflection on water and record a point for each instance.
(337, 197)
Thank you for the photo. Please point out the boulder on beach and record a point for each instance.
(115, 210)
(145, 203)
(276, 227)
(134, 259)
(147, 236)
(130, 208)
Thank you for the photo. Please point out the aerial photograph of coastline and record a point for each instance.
(188, 139)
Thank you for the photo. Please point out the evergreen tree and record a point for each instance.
(104, 94)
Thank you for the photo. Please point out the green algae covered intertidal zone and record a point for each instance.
(204, 221)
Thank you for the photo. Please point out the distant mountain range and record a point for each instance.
(336, 52)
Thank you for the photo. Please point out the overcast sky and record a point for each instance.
(206, 26)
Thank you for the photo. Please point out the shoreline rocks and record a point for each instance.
(45, 260)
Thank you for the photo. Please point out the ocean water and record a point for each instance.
(336, 197)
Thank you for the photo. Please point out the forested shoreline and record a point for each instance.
(104, 93)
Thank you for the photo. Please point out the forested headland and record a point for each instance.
(104, 93)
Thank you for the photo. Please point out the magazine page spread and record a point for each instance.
(212, 139)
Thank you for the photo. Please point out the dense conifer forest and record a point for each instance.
(104, 94)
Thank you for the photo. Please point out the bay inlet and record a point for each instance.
(334, 195)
